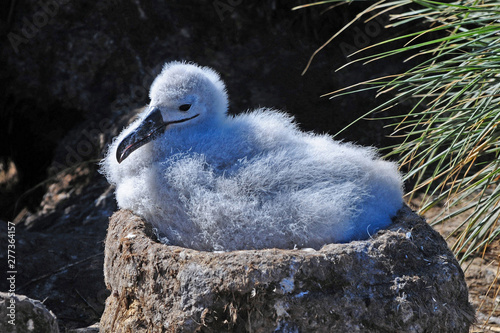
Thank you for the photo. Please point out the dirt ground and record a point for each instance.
(482, 273)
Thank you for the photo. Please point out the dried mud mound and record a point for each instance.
(404, 279)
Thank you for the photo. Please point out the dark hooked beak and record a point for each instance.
(150, 128)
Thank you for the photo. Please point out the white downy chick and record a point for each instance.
(209, 181)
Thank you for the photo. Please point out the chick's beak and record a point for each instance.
(149, 129)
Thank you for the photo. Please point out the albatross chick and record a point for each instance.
(209, 181)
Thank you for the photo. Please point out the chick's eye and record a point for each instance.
(184, 107)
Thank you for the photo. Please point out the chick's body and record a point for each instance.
(252, 181)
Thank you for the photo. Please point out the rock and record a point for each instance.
(90, 329)
(403, 279)
(60, 248)
(22, 314)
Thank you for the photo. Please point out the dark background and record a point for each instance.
(72, 72)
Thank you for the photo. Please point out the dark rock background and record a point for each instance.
(72, 72)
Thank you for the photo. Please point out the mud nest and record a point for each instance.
(403, 279)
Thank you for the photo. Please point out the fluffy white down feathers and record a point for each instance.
(211, 182)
